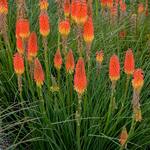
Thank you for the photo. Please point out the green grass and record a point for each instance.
(23, 124)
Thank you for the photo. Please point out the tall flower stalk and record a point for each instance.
(114, 75)
(80, 85)
(44, 31)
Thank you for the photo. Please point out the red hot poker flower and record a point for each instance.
(114, 11)
(73, 9)
(103, 3)
(64, 28)
(3, 7)
(123, 7)
(38, 73)
(44, 24)
(99, 56)
(138, 79)
(114, 68)
(66, 8)
(57, 60)
(81, 12)
(88, 33)
(129, 62)
(32, 45)
(140, 8)
(20, 47)
(43, 4)
(70, 62)
(123, 136)
(80, 81)
(23, 28)
(18, 64)
(109, 4)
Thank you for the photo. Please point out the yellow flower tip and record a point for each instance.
(137, 114)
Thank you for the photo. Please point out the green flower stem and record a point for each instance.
(71, 89)
(123, 101)
(96, 3)
(42, 107)
(110, 109)
(46, 62)
(78, 120)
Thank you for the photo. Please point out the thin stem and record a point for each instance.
(78, 119)
(110, 108)
(46, 61)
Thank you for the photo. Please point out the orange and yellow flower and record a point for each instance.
(81, 12)
(140, 8)
(18, 64)
(32, 45)
(103, 3)
(114, 68)
(44, 24)
(43, 4)
(123, 136)
(88, 31)
(123, 7)
(73, 9)
(138, 79)
(20, 47)
(80, 81)
(109, 4)
(64, 28)
(66, 8)
(3, 7)
(58, 60)
(99, 56)
(38, 73)
(129, 62)
(22, 28)
(114, 11)
(70, 62)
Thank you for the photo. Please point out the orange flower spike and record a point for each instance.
(44, 24)
(18, 64)
(3, 7)
(88, 31)
(114, 68)
(103, 3)
(32, 45)
(70, 62)
(129, 62)
(73, 9)
(19, 44)
(57, 60)
(140, 8)
(123, 136)
(23, 28)
(80, 81)
(64, 28)
(81, 12)
(43, 4)
(123, 7)
(99, 56)
(122, 34)
(66, 8)
(138, 79)
(109, 4)
(114, 11)
(38, 73)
